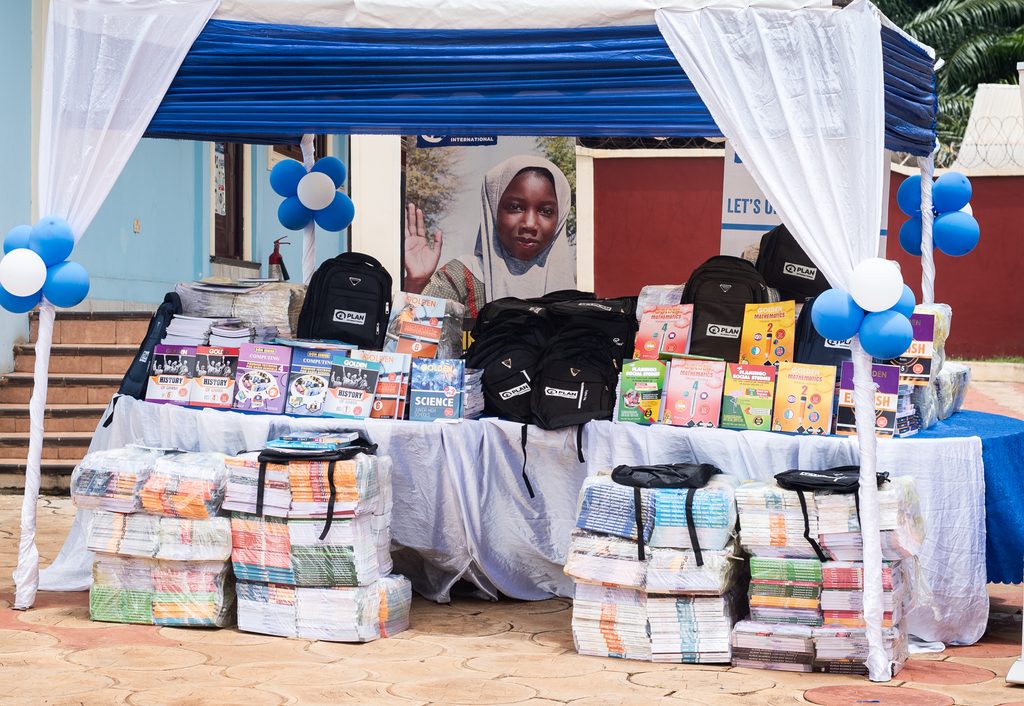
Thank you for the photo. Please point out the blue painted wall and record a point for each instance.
(16, 126)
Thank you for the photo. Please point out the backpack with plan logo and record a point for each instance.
(785, 266)
(348, 299)
(719, 290)
(813, 348)
(508, 354)
(615, 318)
(575, 379)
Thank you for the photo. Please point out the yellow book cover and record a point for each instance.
(803, 398)
(767, 336)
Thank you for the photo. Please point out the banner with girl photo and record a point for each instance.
(489, 217)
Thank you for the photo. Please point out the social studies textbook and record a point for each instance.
(747, 401)
(352, 387)
(171, 374)
(437, 387)
(214, 384)
(803, 398)
(262, 377)
(664, 331)
(887, 377)
(768, 333)
(641, 387)
(309, 380)
(693, 392)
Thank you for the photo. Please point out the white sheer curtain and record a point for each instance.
(801, 96)
(107, 66)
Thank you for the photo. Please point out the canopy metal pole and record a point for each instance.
(309, 232)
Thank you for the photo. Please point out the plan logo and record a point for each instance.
(564, 394)
(719, 331)
(515, 391)
(842, 345)
(802, 271)
(356, 318)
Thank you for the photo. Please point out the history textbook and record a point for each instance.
(214, 383)
(352, 387)
(171, 374)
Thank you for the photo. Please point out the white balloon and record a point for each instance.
(876, 284)
(967, 209)
(316, 191)
(22, 272)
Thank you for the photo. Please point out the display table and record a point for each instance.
(462, 511)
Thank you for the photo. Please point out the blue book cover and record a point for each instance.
(436, 389)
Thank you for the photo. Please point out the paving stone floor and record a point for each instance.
(470, 652)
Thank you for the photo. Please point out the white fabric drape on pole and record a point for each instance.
(107, 66)
(801, 97)
(308, 145)
(927, 165)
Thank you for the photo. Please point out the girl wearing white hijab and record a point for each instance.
(521, 247)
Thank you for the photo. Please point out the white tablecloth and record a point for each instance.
(462, 511)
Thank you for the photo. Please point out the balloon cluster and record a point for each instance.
(877, 308)
(35, 266)
(313, 195)
(955, 231)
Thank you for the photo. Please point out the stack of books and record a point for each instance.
(899, 516)
(772, 521)
(787, 648)
(111, 480)
(473, 394)
(188, 485)
(785, 591)
(194, 330)
(169, 538)
(230, 334)
(609, 621)
(908, 420)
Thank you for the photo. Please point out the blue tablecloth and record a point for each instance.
(1002, 442)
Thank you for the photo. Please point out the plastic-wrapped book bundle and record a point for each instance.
(950, 388)
(316, 562)
(112, 480)
(169, 565)
(806, 611)
(669, 606)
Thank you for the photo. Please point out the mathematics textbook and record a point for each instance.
(352, 387)
(214, 384)
(262, 377)
(887, 378)
(171, 374)
(747, 401)
(436, 389)
(693, 392)
(803, 398)
(767, 336)
(664, 331)
(641, 387)
(309, 380)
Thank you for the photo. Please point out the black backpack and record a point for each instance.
(349, 300)
(614, 318)
(509, 354)
(786, 267)
(812, 348)
(136, 378)
(719, 290)
(575, 380)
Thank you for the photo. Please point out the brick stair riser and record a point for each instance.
(71, 450)
(70, 364)
(85, 331)
(50, 483)
(20, 423)
(59, 394)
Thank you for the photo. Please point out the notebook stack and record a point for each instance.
(759, 645)
(169, 565)
(785, 591)
(230, 334)
(315, 562)
(111, 480)
(772, 521)
(899, 519)
(670, 606)
(473, 394)
(194, 330)
(908, 419)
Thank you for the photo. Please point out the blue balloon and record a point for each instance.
(18, 305)
(956, 233)
(906, 303)
(293, 215)
(67, 284)
(886, 334)
(332, 167)
(337, 215)
(835, 315)
(951, 192)
(908, 196)
(910, 236)
(285, 176)
(51, 238)
(17, 237)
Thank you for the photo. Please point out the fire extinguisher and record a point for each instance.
(276, 269)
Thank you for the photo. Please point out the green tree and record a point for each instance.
(431, 180)
(980, 41)
(562, 152)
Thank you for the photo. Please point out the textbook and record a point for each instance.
(436, 389)
(310, 377)
(693, 392)
(803, 398)
(352, 387)
(171, 374)
(641, 386)
(664, 331)
(767, 336)
(424, 327)
(887, 378)
(916, 363)
(392, 383)
(214, 384)
(261, 380)
(747, 399)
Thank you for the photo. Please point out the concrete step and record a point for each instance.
(88, 327)
(70, 445)
(16, 388)
(98, 358)
(55, 475)
(70, 417)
